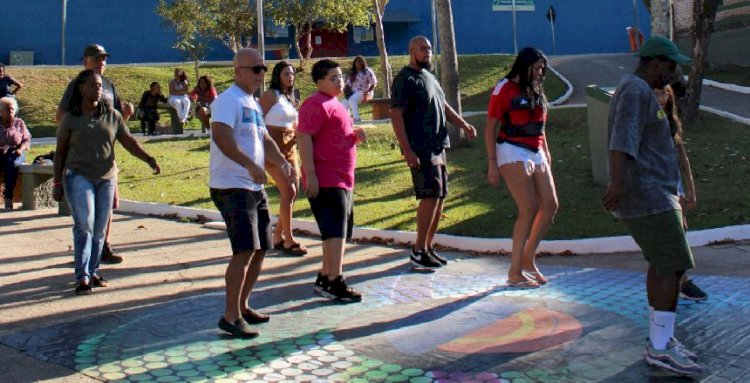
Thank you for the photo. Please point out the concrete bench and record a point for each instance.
(381, 108)
(176, 125)
(37, 188)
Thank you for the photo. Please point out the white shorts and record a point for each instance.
(509, 153)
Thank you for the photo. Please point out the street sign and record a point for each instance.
(507, 5)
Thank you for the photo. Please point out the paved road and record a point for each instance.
(607, 69)
(157, 320)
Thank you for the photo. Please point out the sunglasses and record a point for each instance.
(256, 68)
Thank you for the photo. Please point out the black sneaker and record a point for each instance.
(423, 259)
(239, 328)
(432, 253)
(109, 255)
(320, 284)
(254, 317)
(690, 291)
(83, 288)
(338, 289)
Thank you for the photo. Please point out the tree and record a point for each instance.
(189, 25)
(704, 14)
(449, 65)
(661, 17)
(233, 22)
(307, 15)
(385, 66)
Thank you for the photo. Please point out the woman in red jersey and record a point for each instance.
(519, 153)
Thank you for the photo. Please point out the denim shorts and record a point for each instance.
(246, 214)
(661, 237)
(333, 209)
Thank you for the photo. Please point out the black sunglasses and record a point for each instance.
(256, 68)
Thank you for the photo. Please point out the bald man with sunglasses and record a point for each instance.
(239, 146)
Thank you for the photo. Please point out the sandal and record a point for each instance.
(296, 249)
(526, 284)
(278, 245)
(535, 276)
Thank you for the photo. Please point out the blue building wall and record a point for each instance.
(132, 32)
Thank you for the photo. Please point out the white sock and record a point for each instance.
(650, 314)
(662, 328)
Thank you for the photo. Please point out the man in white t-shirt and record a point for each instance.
(239, 145)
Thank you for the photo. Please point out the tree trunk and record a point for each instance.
(449, 65)
(704, 14)
(661, 18)
(296, 38)
(308, 43)
(385, 67)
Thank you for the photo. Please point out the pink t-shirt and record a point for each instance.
(334, 144)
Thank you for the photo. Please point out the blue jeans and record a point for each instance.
(90, 202)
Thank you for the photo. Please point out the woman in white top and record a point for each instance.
(280, 115)
(360, 86)
(178, 94)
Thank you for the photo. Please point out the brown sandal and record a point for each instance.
(296, 249)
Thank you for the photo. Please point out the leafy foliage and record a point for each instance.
(233, 22)
(307, 15)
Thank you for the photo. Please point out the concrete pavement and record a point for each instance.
(462, 323)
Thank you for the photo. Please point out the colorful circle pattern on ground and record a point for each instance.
(410, 328)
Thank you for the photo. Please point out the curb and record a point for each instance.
(569, 88)
(470, 244)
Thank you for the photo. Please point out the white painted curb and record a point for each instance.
(568, 92)
(480, 245)
(727, 115)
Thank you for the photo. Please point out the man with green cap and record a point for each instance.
(642, 192)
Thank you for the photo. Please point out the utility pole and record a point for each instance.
(261, 38)
(62, 34)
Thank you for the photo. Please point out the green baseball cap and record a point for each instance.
(662, 46)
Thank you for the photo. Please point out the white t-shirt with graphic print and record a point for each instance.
(241, 112)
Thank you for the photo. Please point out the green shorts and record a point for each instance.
(661, 237)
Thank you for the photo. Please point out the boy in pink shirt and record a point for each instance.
(328, 150)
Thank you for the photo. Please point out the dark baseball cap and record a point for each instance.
(662, 46)
(94, 50)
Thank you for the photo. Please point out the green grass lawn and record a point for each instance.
(43, 87)
(384, 198)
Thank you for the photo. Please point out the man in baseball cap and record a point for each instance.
(642, 192)
(95, 58)
(94, 50)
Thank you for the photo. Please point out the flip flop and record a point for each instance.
(536, 276)
(295, 249)
(523, 284)
(278, 245)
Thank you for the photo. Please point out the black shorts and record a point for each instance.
(333, 209)
(430, 181)
(246, 214)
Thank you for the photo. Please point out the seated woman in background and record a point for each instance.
(203, 95)
(14, 139)
(6, 82)
(178, 94)
(85, 159)
(147, 112)
(361, 83)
